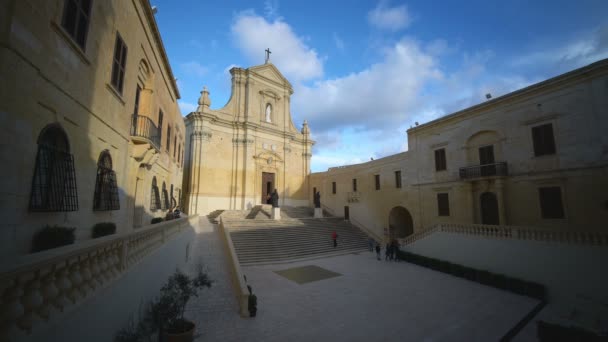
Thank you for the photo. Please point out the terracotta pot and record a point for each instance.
(187, 336)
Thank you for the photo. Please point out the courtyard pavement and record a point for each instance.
(369, 300)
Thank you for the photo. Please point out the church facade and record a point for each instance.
(237, 155)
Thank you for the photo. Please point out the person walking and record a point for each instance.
(334, 237)
(370, 243)
(387, 252)
(378, 251)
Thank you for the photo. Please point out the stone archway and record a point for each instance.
(400, 223)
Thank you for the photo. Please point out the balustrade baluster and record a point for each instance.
(76, 278)
(49, 291)
(12, 309)
(63, 284)
(88, 284)
(31, 299)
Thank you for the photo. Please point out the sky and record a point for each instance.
(364, 72)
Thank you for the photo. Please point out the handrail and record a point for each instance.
(484, 170)
(418, 235)
(143, 126)
(35, 286)
(528, 233)
(238, 280)
(368, 231)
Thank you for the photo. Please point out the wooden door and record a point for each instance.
(489, 208)
(267, 186)
(486, 160)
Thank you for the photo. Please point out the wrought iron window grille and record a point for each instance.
(54, 182)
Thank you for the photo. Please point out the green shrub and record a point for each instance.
(156, 220)
(52, 237)
(103, 229)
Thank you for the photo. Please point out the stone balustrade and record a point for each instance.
(37, 287)
(514, 232)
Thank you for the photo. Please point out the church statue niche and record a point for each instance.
(268, 112)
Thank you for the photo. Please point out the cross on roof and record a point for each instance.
(267, 54)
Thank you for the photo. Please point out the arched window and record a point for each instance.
(106, 190)
(173, 201)
(165, 197)
(155, 203)
(54, 183)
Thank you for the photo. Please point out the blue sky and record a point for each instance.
(364, 71)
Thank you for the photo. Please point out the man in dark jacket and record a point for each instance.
(274, 198)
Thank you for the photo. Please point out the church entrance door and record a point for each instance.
(267, 186)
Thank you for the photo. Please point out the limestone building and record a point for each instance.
(535, 157)
(91, 130)
(237, 155)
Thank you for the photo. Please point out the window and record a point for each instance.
(333, 188)
(155, 203)
(75, 20)
(398, 179)
(179, 153)
(119, 63)
(440, 162)
(551, 206)
(174, 146)
(165, 204)
(137, 93)
(169, 140)
(443, 204)
(54, 183)
(160, 126)
(173, 201)
(355, 184)
(542, 138)
(106, 190)
(377, 180)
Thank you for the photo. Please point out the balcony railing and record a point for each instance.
(142, 126)
(487, 170)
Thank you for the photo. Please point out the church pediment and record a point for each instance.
(270, 72)
(268, 157)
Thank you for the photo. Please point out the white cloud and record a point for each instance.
(194, 68)
(338, 41)
(271, 8)
(389, 18)
(253, 34)
(583, 50)
(379, 96)
(186, 107)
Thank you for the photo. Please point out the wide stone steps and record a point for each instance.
(268, 241)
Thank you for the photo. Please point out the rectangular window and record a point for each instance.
(179, 153)
(333, 188)
(75, 20)
(377, 181)
(542, 138)
(551, 206)
(398, 179)
(169, 140)
(119, 63)
(355, 184)
(440, 162)
(443, 204)
(160, 125)
(174, 146)
(137, 93)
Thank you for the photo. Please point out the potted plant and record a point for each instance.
(103, 229)
(171, 304)
(53, 237)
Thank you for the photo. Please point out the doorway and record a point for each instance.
(346, 213)
(267, 186)
(489, 208)
(400, 223)
(486, 160)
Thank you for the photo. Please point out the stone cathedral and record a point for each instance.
(237, 155)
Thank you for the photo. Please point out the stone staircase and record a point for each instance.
(265, 241)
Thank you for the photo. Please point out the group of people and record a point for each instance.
(390, 251)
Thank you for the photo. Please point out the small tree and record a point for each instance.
(174, 297)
